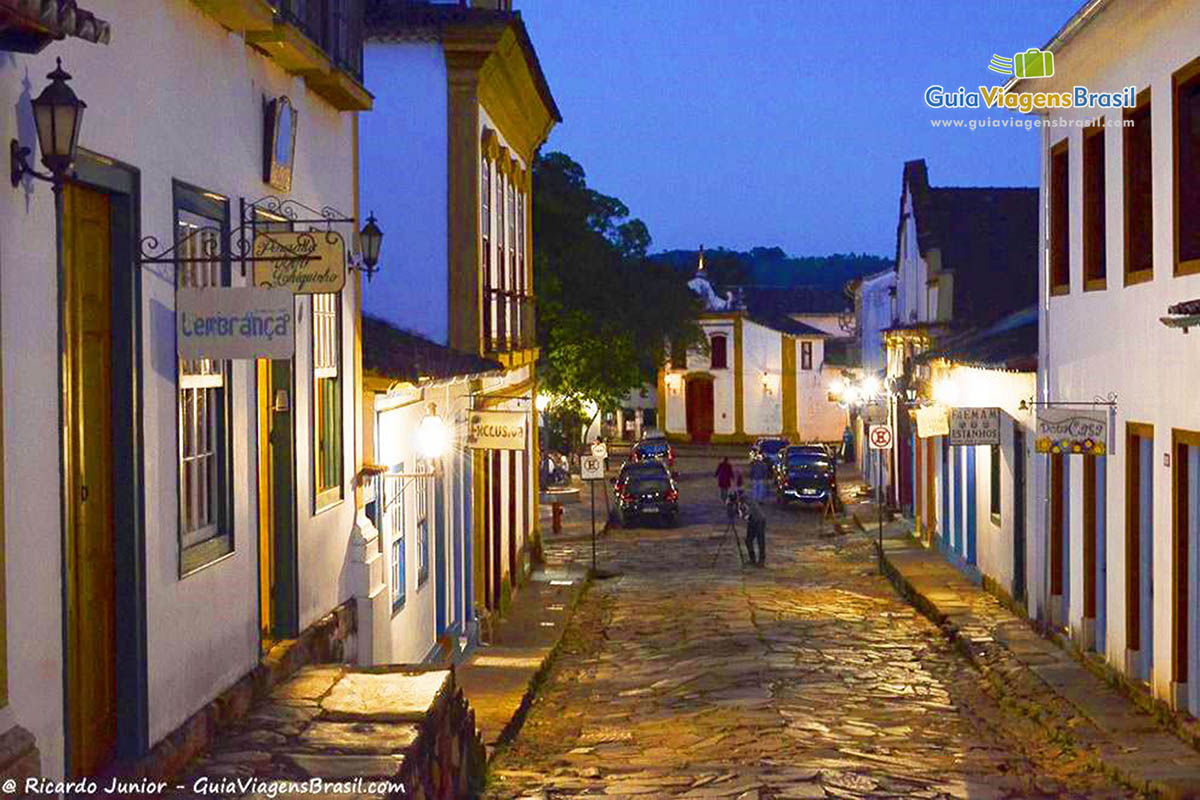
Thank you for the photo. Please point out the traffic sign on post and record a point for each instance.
(591, 468)
(880, 437)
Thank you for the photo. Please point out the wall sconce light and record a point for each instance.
(770, 383)
(371, 239)
(431, 435)
(57, 113)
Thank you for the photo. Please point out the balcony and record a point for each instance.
(321, 40)
(509, 327)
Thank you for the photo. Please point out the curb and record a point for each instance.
(514, 725)
(952, 633)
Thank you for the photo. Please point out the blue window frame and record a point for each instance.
(422, 509)
(393, 516)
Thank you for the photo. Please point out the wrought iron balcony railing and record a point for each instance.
(509, 321)
(336, 26)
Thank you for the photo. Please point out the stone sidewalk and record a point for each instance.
(500, 676)
(339, 731)
(1022, 664)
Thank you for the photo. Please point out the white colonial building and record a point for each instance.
(1120, 234)
(168, 521)
(762, 374)
(462, 107)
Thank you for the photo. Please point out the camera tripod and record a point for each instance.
(730, 532)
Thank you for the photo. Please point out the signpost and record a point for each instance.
(880, 437)
(591, 469)
(496, 430)
(303, 262)
(974, 426)
(234, 323)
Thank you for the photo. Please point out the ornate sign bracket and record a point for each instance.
(215, 243)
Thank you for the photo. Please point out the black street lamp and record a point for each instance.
(371, 238)
(57, 113)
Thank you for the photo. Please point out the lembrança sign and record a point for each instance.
(234, 322)
(497, 430)
(309, 262)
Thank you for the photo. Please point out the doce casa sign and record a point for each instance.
(1072, 430)
(234, 322)
(303, 262)
(496, 430)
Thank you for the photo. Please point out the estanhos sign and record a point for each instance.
(235, 322)
(496, 430)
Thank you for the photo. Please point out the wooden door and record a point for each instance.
(266, 509)
(931, 521)
(495, 531)
(277, 584)
(91, 552)
(1018, 507)
(513, 572)
(700, 409)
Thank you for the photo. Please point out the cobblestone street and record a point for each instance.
(810, 678)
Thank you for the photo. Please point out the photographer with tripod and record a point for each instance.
(756, 529)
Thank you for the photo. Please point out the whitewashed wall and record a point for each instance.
(149, 105)
(405, 182)
(1111, 341)
(762, 380)
(817, 418)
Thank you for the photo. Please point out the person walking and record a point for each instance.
(756, 532)
(724, 478)
(759, 471)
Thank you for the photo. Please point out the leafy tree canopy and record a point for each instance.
(605, 310)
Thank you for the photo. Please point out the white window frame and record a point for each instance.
(326, 365)
(202, 398)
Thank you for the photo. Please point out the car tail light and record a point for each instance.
(672, 494)
(627, 497)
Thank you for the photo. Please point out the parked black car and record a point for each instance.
(640, 469)
(768, 448)
(645, 494)
(653, 448)
(806, 476)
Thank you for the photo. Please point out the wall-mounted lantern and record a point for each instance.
(57, 113)
(371, 239)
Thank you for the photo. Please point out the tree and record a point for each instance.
(605, 311)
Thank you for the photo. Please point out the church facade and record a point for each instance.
(764, 374)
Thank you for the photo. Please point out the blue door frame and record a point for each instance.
(958, 499)
(947, 524)
(970, 545)
(1101, 555)
(441, 553)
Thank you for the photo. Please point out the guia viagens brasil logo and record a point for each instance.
(1032, 63)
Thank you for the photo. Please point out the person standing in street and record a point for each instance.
(756, 532)
(759, 470)
(724, 478)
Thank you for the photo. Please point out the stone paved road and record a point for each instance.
(807, 679)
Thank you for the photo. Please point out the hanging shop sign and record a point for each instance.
(875, 415)
(496, 430)
(308, 262)
(933, 421)
(974, 426)
(1063, 429)
(235, 322)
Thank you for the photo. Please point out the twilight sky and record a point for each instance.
(780, 122)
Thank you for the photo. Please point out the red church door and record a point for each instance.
(700, 409)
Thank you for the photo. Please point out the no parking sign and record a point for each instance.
(880, 437)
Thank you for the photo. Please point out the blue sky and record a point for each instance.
(779, 122)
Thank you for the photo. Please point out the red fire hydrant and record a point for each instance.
(556, 512)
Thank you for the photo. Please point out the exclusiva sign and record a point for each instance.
(496, 430)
